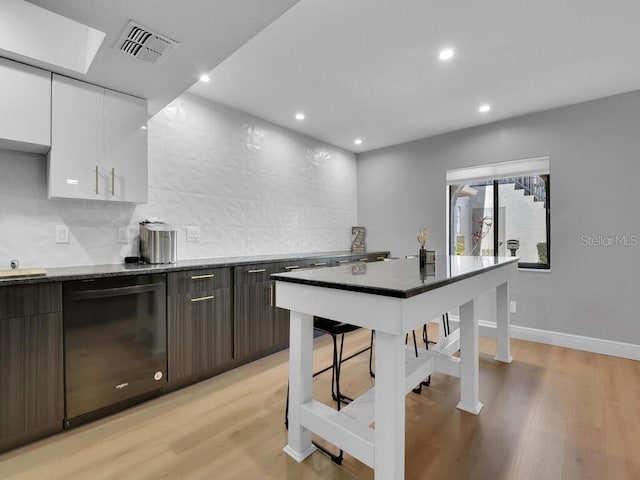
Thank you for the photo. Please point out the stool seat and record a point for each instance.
(333, 327)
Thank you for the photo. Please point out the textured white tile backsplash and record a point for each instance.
(250, 186)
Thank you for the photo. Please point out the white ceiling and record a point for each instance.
(370, 68)
(208, 32)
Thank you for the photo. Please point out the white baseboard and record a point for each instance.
(559, 339)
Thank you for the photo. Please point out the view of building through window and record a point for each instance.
(506, 216)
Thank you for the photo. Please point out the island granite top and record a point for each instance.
(402, 278)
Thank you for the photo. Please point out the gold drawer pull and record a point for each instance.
(259, 270)
(200, 277)
(363, 259)
(202, 299)
(291, 267)
(381, 258)
(321, 264)
(344, 261)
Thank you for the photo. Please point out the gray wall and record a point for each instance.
(594, 150)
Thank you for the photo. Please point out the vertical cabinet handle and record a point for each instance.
(97, 192)
(113, 182)
(271, 292)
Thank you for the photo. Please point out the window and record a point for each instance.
(502, 209)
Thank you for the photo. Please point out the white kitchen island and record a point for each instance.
(392, 298)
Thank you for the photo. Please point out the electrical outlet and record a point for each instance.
(62, 234)
(123, 234)
(512, 306)
(193, 234)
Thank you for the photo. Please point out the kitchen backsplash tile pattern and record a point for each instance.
(249, 186)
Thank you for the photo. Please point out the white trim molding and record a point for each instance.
(613, 348)
(514, 168)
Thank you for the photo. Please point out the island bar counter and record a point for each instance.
(392, 298)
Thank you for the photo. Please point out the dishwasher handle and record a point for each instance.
(114, 292)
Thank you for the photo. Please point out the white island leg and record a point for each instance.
(299, 444)
(389, 407)
(503, 324)
(469, 360)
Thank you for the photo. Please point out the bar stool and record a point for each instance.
(335, 329)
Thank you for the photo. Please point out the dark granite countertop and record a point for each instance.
(56, 274)
(400, 278)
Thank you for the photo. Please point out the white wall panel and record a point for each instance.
(250, 186)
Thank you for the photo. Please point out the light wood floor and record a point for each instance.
(553, 413)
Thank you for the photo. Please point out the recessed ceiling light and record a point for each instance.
(143, 127)
(299, 116)
(484, 108)
(446, 54)
(204, 78)
(358, 141)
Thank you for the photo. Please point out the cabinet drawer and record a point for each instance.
(371, 257)
(24, 300)
(291, 265)
(320, 262)
(191, 281)
(344, 260)
(254, 273)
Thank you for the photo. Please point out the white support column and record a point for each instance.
(389, 406)
(469, 360)
(503, 324)
(300, 384)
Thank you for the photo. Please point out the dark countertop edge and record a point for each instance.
(181, 265)
(387, 292)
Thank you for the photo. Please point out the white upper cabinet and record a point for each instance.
(126, 146)
(76, 157)
(98, 146)
(25, 107)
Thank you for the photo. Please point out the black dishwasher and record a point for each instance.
(115, 343)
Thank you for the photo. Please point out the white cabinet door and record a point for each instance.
(98, 146)
(25, 107)
(126, 147)
(76, 157)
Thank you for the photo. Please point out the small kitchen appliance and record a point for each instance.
(158, 242)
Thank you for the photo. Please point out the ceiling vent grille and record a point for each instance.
(145, 44)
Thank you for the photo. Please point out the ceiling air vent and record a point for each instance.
(145, 44)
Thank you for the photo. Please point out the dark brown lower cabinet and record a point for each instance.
(200, 333)
(254, 327)
(280, 327)
(259, 326)
(31, 379)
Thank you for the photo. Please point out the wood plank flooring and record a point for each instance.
(554, 413)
